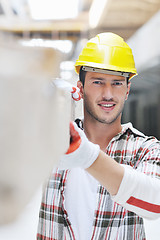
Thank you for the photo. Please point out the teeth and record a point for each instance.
(107, 105)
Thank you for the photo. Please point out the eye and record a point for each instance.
(97, 82)
(117, 83)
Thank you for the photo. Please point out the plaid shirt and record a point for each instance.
(111, 220)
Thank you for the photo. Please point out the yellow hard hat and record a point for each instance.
(107, 51)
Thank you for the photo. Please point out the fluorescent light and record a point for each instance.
(64, 46)
(96, 11)
(53, 9)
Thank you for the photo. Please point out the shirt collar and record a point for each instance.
(125, 128)
(129, 125)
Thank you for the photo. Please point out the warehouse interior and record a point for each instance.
(39, 41)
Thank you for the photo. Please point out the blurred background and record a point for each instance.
(41, 39)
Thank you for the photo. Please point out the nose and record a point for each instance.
(107, 91)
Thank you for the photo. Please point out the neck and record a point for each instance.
(101, 133)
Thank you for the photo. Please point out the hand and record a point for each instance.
(81, 153)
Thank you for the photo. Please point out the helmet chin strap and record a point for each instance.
(111, 72)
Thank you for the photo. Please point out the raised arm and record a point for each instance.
(133, 189)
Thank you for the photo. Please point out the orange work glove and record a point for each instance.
(81, 153)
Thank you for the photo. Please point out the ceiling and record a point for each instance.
(123, 17)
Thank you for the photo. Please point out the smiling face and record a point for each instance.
(104, 96)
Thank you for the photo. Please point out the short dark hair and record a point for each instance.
(82, 75)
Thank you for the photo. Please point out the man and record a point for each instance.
(109, 178)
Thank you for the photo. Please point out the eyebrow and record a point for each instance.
(97, 78)
(103, 79)
(119, 80)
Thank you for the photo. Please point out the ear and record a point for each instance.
(128, 90)
(80, 86)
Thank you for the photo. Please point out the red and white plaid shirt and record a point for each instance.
(112, 221)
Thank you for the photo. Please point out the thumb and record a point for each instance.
(75, 138)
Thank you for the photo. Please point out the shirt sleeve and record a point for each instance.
(139, 191)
